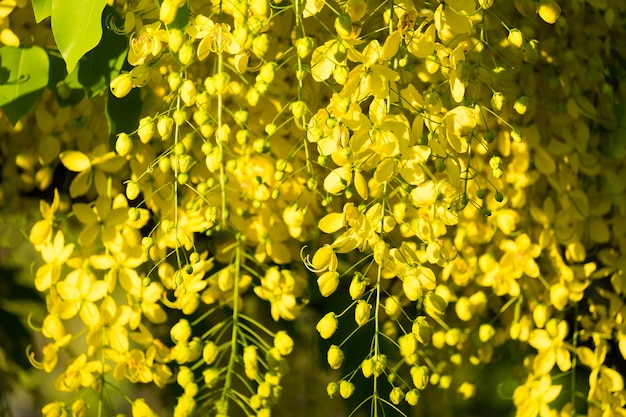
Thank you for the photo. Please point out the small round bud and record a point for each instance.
(123, 144)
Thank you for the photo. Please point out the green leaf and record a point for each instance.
(42, 9)
(76, 27)
(23, 77)
(100, 65)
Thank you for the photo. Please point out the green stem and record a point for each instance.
(235, 332)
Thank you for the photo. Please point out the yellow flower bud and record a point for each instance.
(434, 305)
(497, 101)
(176, 39)
(250, 361)
(188, 93)
(209, 352)
(420, 376)
(346, 389)
(343, 25)
(362, 312)
(392, 306)
(486, 332)
(211, 376)
(412, 397)
(141, 409)
(298, 109)
(521, 104)
(132, 190)
(174, 80)
(559, 296)
(412, 287)
(304, 46)
(516, 39)
(168, 11)
(367, 367)
(327, 325)
(267, 72)
(549, 11)
(408, 347)
(79, 408)
(328, 283)
(260, 45)
(55, 409)
(380, 363)
(181, 331)
(179, 116)
(146, 129)
(64, 90)
(540, 315)
(325, 258)
(463, 309)
(396, 396)
(164, 127)
(283, 343)
(121, 85)
(421, 330)
(185, 376)
(341, 74)
(335, 356)
(332, 388)
(123, 144)
(221, 81)
(186, 54)
(357, 286)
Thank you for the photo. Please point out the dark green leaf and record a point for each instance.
(123, 113)
(60, 80)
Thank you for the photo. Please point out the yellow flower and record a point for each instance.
(533, 397)
(134, 366)
(55, 254)
(284, 290)
(519, 255)
(147, 305)
(146, 44)
(371, 77)
(79, 374)
(551, 347)
(604, 382)
(79, 292)
(41, 231)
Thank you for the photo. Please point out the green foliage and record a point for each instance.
(24, 75)
(83, 34)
